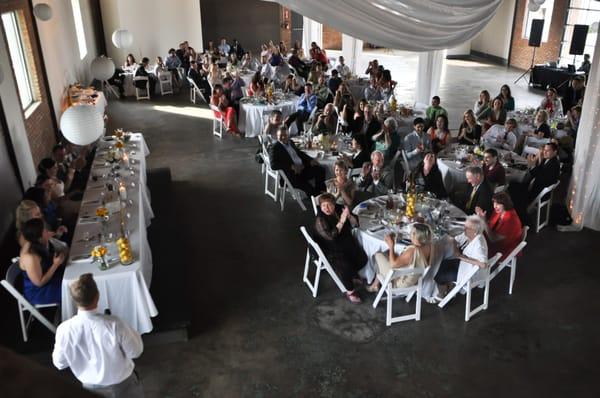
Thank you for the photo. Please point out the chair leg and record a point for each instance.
(22, 319)
(468, 303)
(388, 318)
(418, 303)
(513, 274)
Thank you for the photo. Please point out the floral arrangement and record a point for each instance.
(99, 254)
(101, 212)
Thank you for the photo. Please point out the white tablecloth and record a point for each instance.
(123, 289)
(252, 118)
(326, 160)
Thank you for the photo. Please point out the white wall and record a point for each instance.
(156, 26)
(61, 51)
(495, 37)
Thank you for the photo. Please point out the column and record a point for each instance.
(352, 50)
(429, 75)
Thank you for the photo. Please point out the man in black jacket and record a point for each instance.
(141, 71)
(545, 169)
(298, 167)
(479, 194)
(367, 125)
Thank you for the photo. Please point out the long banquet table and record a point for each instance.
(123, 289)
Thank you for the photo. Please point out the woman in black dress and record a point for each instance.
(334, 229)
(428, 178)
(469, 132)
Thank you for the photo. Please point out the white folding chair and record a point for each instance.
(318, 259)
(500, 188)
(314, 200)
(468, 283)
(195, 92)
(9, 284)
(340, 120)
(218, 121)
(511, 261)
(270, 175)
(165, 80)
(388, 288)
(352, 173)
(287, 186)
(539, 203)
(141, 93)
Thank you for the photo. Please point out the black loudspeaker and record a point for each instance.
(535, 35)
(578, 40)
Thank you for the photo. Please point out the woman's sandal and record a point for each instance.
(353, 297)
(372, 289)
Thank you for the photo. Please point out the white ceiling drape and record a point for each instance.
(411, 25)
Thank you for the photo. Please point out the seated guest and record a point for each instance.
(479, 194)
(387, 141)
(367, 125)
(494, 114)
(322, 92)
(27, 210)
(274, 123)
(304, 107)
(249, 62)
(340, 186)
(64, 161)
(434, 110)
(130, 65)
(416, 144)
(552, 104)
(372, 91)
(41, 264)
(573, 118)
(470, 131)
(98, 348)
(417, 255)
(502, 137)
(318, 55)
(299, 168)
(292, 86)
(344, 102)
(493, 171)
(482, 105)
(439, 133)
(236, 48)
(257, 86)
(200, 79)
(427, 177)
(172, 62)
(235, 86)
(544, 169)
(214, 73)
(585, 65)
(300, 66)
(507, 98)
(226, 110)
(470, 250)
(504, 227)
(326, 121)
(224, 47)
(48, 175)
(315, 73)
(359, 154)
(276, 59)
(333, 227)
(334, 81)
(42, 197)
(159, 66)
(265, 54)
(374, 177)
(573, 95)
(141, 71)
(282, 48)
(343, 69)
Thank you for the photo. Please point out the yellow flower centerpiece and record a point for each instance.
(101, 212)
(99, 254)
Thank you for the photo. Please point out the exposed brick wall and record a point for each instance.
(520, 56)
(285, 33)
(39, 124)
(332, 39)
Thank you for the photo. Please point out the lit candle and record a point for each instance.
(125, 159)
(122, 192)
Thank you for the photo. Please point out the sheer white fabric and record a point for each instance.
(412, 25)
(429, 75)
(311, 31)
(584, 193)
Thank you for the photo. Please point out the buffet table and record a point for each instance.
(124, 289)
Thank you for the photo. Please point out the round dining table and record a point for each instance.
(254, 112)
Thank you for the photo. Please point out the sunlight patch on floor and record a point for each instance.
(191, 111)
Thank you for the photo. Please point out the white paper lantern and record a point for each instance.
(121, 38)
(82, 124)
(42, 11)
(538, 2)
(103, 68)
(533, 7)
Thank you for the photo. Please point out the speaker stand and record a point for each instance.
(528, 70)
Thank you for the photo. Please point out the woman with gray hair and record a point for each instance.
(470, 249)
(387, 140)
(417, 255)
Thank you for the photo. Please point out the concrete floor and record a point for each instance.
(257, 331)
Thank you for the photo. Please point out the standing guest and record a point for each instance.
(503, 137)
(367, 125)
(98, 348)
(343, 69)
(374, 177)
(224, 47)
(274, 123)
(334, 228)
(326, 121)
(298, 64)
(434, 110)
(334, 81)
(507, 98)
(41, 264)
(341, 187)
(482, 105)
(388, 141)
(141, 71)
(416, 144)
(427, 177)
(298, 167)
(574, 93)
(585, 65)
(493, 171)
(372, 91)
(470, 131)
(439, 133)
(236, 48)
(417, 255)
(504, 227)
(479, 194)
(226, 110)
(304, 107)
(551, 104)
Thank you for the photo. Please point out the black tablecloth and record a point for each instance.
(544, 77)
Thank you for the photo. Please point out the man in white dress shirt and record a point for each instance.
(503, 137)
(343, 69)
(98, 348)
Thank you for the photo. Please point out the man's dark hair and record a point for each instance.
(553, 146)
(145, 60)
(418, 120)
(334, 72)
(435, 97)
(492, 152)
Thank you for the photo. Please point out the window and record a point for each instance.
(79, 31)
(581, 12)
(545, 13)
(18, 58)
